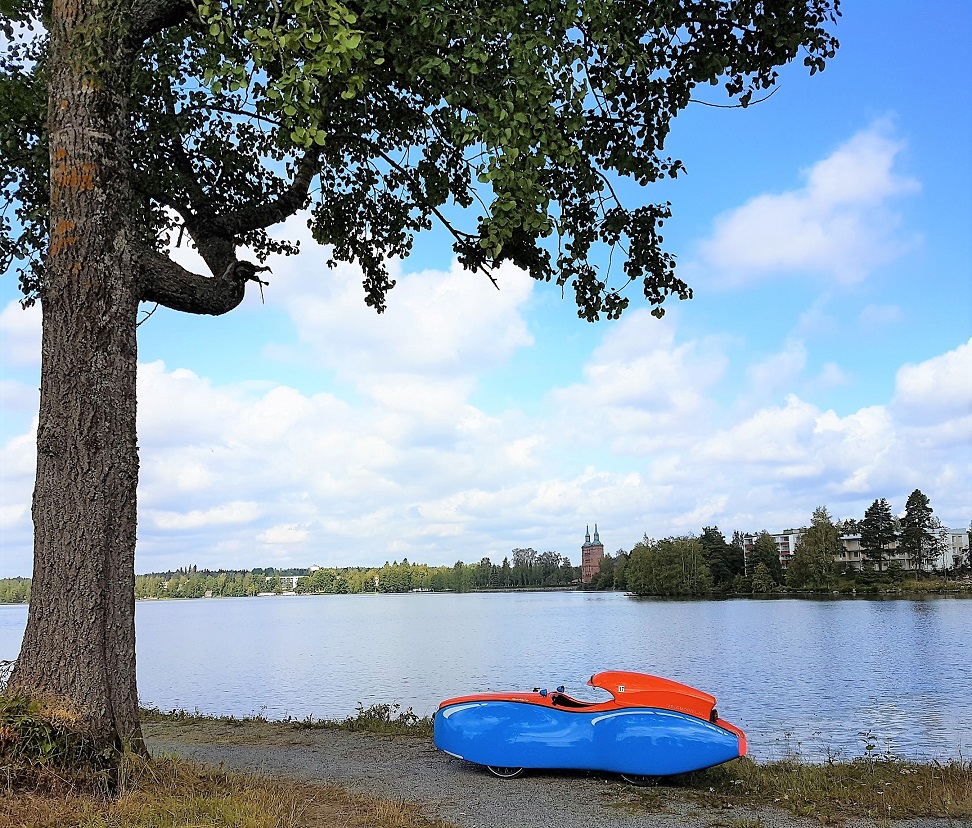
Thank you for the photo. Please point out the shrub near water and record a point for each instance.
(387, 718)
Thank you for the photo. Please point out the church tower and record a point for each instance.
(592, 553)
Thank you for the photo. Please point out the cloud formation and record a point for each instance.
(239, 474)
(838, 224)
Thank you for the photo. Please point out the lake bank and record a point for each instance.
(410, 768)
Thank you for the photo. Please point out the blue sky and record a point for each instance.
(826, 358)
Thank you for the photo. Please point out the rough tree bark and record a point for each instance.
(87, 456)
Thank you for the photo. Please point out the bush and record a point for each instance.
(44, 746)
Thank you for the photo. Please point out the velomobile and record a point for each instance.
(650, 727)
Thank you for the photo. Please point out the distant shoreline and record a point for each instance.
(960, 591)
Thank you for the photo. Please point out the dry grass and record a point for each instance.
(885, 788)
(164, 793)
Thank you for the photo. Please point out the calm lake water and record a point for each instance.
(807, 676)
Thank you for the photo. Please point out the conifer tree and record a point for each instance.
(918, 536)
(878, 532)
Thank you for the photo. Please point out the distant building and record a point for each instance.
(786, 543)
(591, 556)
(287, 582)
(953, 554)
(958, 549)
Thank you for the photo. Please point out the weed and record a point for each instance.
(387, 718)
(378, 718)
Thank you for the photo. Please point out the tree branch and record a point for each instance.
(153, 16)
(462, 238)
(259, 216)
(171, 285)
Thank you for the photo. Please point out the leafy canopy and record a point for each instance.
(407, 112)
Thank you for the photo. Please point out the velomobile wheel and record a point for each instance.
(641, 780)
(504, 773)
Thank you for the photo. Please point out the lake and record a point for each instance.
(818, 677)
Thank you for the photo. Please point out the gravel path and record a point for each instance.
(413, 769)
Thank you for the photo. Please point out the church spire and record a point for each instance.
(596, 540)
(587, 534)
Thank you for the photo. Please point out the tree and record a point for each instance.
(724, 560)
(621, 570)
(813, 564)
(848, 526)
(766, 552)
(878, 532)
(919, 539)
(669, 567)
(506, 574)
(131, 123)
(763, 580)
(605, 573)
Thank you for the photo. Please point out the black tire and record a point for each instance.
(640, 780)
(501, 772)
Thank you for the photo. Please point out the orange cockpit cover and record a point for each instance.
(641, 690)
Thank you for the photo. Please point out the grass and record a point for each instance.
(388, 719)
(165, 793)
(883, 788)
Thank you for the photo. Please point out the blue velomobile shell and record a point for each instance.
(532, 731)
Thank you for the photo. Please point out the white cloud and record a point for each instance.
(20, 334)
(832, 376)
(12, 515)
(642, 388)
(336, 483)
(937, 390)
(838, 224)
(283, 534)
(438, 324)
(234, 512)
(880, 316)
(778, 371)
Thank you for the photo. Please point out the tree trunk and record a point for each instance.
(79, 646)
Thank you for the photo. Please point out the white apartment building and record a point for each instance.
(786, 542)
(851, 556)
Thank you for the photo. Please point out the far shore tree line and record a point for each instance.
(705, 564)
(687, 565)
(522, 569)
